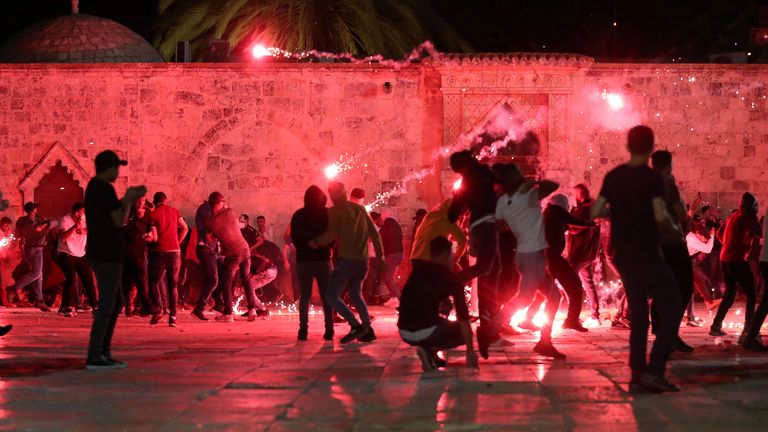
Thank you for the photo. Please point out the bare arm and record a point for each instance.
(183, 229)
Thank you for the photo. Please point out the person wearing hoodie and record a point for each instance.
(308, 223)
(435, 224)
(740, 230)
(583, 247)
(557, 220)
(351, 228)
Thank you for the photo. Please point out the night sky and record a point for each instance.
(651, 30)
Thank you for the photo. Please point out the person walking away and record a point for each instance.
(168, 229)
(73, 236)
(635, 194)
(737, 235)
(420, 324)
(351, 227)
(105, 252)
(308, 223)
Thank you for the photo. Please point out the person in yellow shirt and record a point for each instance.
(351, 227)
(436, 224)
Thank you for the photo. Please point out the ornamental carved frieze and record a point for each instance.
(493, 82)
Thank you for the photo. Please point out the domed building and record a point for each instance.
(78, 38)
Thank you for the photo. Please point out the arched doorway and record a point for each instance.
(56, 192)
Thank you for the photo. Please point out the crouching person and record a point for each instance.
(420, 322)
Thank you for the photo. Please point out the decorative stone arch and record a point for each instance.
(57, 152)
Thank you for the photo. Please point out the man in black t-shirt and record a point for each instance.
(420, 322)
(633, 195)
(106, 214)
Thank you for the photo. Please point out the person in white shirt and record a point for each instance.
(700, 244)
(266, 231)
(73, 234)
(519, 209)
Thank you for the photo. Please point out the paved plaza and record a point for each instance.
(256, 377)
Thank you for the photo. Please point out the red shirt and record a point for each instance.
(166, 220)
(737, 236)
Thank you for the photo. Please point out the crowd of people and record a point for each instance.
(519, 241)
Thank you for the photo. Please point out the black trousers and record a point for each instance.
(447, 335)
(307, 271)
(762, 310)
(74, 267)
(484, 244)
(568, 278)
(677, 259)
(108, 276)
(645, 274)
(736, 274)
(135, 274)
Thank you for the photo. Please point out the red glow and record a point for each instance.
(331, 171)
(260, 51)
(615, 101)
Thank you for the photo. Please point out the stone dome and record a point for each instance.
(78, 38)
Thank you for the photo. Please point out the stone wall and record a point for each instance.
(262, 133)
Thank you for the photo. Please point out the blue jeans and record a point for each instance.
(534, 277)
(348, 274)
(34, 258)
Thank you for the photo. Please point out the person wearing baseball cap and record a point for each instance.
(106, 215)
(33, 233)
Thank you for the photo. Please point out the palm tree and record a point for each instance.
(360, 27)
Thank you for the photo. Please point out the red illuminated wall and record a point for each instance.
(262, 133)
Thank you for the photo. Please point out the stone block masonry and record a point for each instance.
(262, 133)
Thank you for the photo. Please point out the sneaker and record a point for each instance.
(484, 341)
(508, 330)
(574, 325)
(250, 315)
(355, 333)
(263, 313)
(5, 329)
(67, 312)
(225, 318)
(754, 345)
(199, 314)
(302, 334)
(717, 332)
(83, 308)
(438, 362)
(370, 337)
(42, 306)
(426, 359)
(546, 349)
(648, 383)
(100, 363)
(171, 321)
(155, 319)
(620, 325)
(528, 325)
(118, 364)
(681, 346)
(329, 334)
(693, 322)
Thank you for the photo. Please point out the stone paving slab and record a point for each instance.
(257, 377)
